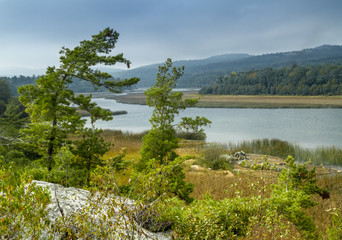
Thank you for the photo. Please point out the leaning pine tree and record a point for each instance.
(51, 103)
(159, 161)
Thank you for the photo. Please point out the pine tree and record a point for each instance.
(160, 143)
(51, 104)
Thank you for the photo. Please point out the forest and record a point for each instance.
(291, 80)
(178, 183)
(204, 72)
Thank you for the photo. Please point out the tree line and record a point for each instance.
(291, 80)
(9, 85)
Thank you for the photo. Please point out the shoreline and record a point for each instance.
(237, 101)
(84, 113)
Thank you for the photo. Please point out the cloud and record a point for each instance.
(152, 30)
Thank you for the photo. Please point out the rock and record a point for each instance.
(69, 201)
(241, 155)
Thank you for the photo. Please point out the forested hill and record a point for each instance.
(204, 72)
(199, 73)
(195, 75)
(292, 80)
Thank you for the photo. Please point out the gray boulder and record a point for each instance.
(67, 202)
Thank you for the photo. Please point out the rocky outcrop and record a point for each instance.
(66, 202)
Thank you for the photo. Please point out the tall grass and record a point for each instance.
(326, 156)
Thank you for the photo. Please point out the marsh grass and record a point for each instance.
(130, 141)
(326, 156)
(222, 184)
(127, 142)
(246, 101)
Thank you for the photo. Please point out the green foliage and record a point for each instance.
(335, 231)
(327, 156)
(298, 177)
(5, 93)
(161, 141)
(22, 206)
(289, 80)
(203, 72)
(89, 151)
(191, 135)
(193, 127)
(16, 81)
(162, 180)
(252, 217)
(51, 104)
(293, 193)
(15, 113)
(271, 147)
(210, 219)
(212, 158)
(263, 166)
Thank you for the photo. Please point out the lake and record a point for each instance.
(308, 128)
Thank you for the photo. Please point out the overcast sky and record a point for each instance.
(33, 31)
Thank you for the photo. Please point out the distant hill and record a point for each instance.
(147, 74)
(199, 73)
(205, 72)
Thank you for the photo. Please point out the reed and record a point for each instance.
(326, 156)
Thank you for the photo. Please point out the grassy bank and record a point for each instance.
(223, 184)
(326, 156)
(243, 101)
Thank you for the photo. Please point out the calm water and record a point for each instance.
(306, 127)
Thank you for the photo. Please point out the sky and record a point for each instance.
(32, 32)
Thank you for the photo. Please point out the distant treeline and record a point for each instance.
(77, 85)
(16, 81)
(290, 80)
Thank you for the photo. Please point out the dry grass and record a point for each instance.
(246, 101)
(130, 142)
(223, 184)
(270, 101)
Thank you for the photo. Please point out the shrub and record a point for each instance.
(191, 135)
(210, 219)
(212, 158)
(334, 232)
(22, 206)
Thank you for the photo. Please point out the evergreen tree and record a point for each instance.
(51, 104)
(160, 143)
(5, 94)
